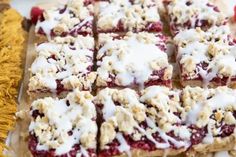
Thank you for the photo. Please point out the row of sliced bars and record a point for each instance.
(64, 67)
(205, 50)
(153, 122)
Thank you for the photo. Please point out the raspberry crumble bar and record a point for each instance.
(128, 15)
(76, 17)
(132, 60)
(211, 116)
(206, 58)
(141, 125)
(186, 14)
(63, 127)
(63, 64)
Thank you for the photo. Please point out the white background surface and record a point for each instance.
(24, 6)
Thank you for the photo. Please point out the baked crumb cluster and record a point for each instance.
(128, 15)
(63, 64)
(63, 126)
(206, 56)
(187, 14)
(132, 59)
(76, 17)
(164, 119)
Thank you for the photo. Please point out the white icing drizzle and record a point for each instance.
(164, 136)
(193, 114)
(123, 147)
(70, 61)
(133, 16)
(84, 152)
(54, 19)
(211, 47)
(130, 58)
(179, 13)
(52, 129)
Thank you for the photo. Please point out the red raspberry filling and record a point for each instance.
(33, 142)
(197, 134)
(227, 130)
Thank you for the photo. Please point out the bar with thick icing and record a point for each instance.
(63, 127)
(128, 15)
(149, 124)
(132, 60)
(63, 64)
(206, 58)
(74, 18)
(187, 14)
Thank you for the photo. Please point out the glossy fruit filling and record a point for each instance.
(33, 142)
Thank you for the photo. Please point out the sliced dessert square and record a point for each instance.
(211, 116)
(63, 127)
(75, 17)
(132, 60)
(186, 14)
(128, 15)
(149, 124)
(63, 64)
(206, 58)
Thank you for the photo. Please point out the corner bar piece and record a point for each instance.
(187, 14)
(128, 15)
(206, 58)
(211, 116)
(63, 127)
(62, 65)
(146, 125)
(74, 18)
(132, 60)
